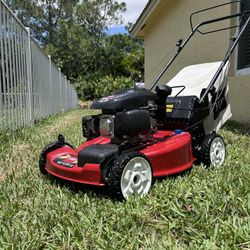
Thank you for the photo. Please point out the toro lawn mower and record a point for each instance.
(142, 135)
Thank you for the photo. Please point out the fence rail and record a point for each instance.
(31, 86)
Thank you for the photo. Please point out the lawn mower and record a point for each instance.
(142, 134)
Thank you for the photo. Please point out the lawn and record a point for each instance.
(204, 209)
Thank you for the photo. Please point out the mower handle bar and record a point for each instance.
(178, 87)
(227, 57)
(207, 9)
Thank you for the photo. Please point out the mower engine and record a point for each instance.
(126, 115)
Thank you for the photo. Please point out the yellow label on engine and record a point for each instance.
(169, 108)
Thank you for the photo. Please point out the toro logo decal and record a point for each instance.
(67, 161)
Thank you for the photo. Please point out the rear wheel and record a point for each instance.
(131, 174)
(213, 150)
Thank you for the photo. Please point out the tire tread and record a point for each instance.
(115, 174)
(204, 154)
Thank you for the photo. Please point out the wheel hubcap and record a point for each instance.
(136, 177)
(217, 152)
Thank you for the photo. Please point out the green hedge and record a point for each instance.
(95, 87)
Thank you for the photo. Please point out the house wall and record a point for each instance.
(169, 23)
(239, 85)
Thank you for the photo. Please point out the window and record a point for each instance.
(244, 44)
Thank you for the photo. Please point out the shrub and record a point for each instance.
(108, 84)
(95, 87)
(85, 89)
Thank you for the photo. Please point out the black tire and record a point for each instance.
(204, 155)
(117, 170)
(49, 148)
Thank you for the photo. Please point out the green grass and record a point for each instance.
(204, 209)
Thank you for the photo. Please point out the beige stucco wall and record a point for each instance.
(170, 22)
(240, 98)
(239, 86)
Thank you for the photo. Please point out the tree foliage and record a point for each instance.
(74, 33)
(96, 86)
(43, 16)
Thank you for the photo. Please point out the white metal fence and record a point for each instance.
(31, 85)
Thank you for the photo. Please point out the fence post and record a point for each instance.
(2, 77)
(60, 82)
(66, 93)
(69, 95)
(50, 84)
(29, 78)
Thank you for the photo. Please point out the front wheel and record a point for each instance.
(213, 150)
(49, 148)
(131, 174)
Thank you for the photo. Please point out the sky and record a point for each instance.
(134, 9)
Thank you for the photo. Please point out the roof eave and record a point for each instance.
(143, 18)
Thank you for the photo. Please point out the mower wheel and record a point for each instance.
(131, 174)
(49, 148)
(213, 150)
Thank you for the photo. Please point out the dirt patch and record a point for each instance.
(85, 105)
(2, 177)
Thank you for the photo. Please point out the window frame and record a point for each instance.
(240, 71)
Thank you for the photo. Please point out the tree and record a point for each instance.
(43, 16)
(95, 16)
(124, 56)
(80, 46)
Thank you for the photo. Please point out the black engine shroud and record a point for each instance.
(130, 99)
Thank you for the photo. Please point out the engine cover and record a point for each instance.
(125, 100)
(132, 123)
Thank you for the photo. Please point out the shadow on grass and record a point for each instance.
(174, 176)
(238, 128)
(101, 192)
(104, 191)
